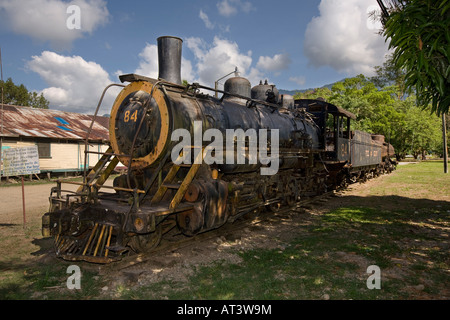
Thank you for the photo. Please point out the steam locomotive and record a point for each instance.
(196, 161)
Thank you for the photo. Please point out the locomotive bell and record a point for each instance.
(169, 58)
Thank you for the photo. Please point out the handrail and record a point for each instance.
(107, 187)
(147, 103)
(92, 124)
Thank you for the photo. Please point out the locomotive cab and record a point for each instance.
(334, 125)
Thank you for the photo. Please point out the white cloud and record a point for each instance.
(46, 20)
(225, 9)
(342, 38)
(216, 60)
(276, 63)
(148, 65)
(205, 19)
(187, 72)
(74, 84)
(228, 8)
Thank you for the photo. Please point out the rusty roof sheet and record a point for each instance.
(53, 124)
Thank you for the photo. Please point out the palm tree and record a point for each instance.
(419, 33)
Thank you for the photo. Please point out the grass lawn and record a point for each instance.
(399, 229)
(398, 223)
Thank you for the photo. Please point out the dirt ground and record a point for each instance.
(179, 264)
(36, 201)
(268, 232)
(265, 231)
(261, 231)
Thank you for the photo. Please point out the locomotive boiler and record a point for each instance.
(194, 162)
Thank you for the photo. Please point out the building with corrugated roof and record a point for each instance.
(60, 136)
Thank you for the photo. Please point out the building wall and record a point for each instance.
(64, 156)
(92, 158)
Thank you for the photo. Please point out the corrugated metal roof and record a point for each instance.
(48, 123)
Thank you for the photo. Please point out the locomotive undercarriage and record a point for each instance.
(342, 174)
(101, 227)
(364, 173)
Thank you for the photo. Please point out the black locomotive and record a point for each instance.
(196, 162)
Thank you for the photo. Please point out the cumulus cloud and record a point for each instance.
(228, 8)
(47, 20)
(148, 65)
(208, 24)
(343, 38)
(275, 64)
(74, 84)
(215, 60)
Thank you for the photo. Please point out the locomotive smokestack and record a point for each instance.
(169, 58)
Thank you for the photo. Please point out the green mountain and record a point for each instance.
(293, 92)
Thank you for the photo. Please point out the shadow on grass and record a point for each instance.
(8, 225)
(407, 239)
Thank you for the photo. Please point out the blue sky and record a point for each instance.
(294, 44)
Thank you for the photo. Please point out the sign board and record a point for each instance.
(21, 161)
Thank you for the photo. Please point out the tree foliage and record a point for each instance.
(20, 96)
(380, 107)
(419, 33)
(388, 75)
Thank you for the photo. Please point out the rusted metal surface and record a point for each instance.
(47, 123)
(265, 92)
(320, 106)
(365, 151)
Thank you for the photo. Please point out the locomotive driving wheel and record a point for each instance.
(145, 242)
(292, 192)
(271, 193)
